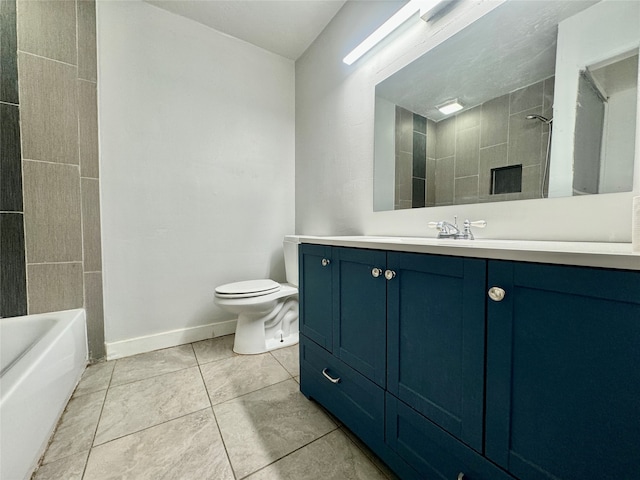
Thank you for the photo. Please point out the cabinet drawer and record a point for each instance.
(354, 400)
(430, 450)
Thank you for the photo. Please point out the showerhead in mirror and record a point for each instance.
(544, 120)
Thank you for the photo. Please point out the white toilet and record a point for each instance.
(267, 310)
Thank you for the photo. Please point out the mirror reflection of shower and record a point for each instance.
(545, 171)
(604, 139)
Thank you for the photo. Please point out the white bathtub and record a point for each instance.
(42, 358)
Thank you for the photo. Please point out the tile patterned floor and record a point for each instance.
(199, 411)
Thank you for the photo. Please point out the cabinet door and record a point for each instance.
(431, 451)
(563, 372)
(360, 312)
(315, 294)
(436, 333)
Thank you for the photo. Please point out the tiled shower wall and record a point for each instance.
(462, 150)
(412, 154)
(13, 282)
(56, 52)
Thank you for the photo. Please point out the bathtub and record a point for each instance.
(41, 360)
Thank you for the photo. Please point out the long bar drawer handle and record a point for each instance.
(329, 377)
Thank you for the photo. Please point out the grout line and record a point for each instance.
(95, 432)
(50, 59)
(70, 262)
(149, 427)
(150, 377)
(215, 419)
(296, 450)
(77, 165)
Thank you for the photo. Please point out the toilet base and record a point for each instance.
(260, 332)
(243, 348)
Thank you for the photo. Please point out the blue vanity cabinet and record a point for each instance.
(431, 451)
(315, 298)
(343, 342)
(360, 311)
(563, 372)
(436, 336)
(343, 305)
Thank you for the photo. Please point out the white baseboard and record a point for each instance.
(172, 338)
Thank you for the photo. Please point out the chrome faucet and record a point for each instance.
(451, 230)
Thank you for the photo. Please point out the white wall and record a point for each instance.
(197, 172)
(384, 148)
(334, 144)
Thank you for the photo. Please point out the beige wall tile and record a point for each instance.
(48, 29)
(91, 225)
(444, 180)
(54, 286)
(87, 40)
(95, 315)
(466, 190)
(88, 128)
(52, 212)
(48, 110)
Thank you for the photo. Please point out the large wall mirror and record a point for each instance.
(548, 92)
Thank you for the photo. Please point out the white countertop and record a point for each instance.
(605, 255)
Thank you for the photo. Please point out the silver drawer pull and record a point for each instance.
(329, 377)
(376, 272)
(460, 476)
(496, 294)
(389, 274)
(325, 262)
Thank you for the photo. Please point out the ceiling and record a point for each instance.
(284, 27)
(510, 47)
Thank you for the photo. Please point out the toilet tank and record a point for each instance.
(290, 247)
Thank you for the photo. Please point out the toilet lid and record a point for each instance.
(249, 288)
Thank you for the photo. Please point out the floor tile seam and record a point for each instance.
(104, 401)
(344, 430)
(95, 430)
(76, 395)
(224, 444)
(281, 364)
(217, 360)
(148, 427)
(84, 394)
(215, 419)
(290, 453)
(129, 382)
(59, 424)
(65, 457)
(253, 391)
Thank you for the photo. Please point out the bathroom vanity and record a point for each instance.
(477, 359)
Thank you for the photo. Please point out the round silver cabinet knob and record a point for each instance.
(325, 262)
(389, 274)
(496, 294)
(376, 272)
(461, 476)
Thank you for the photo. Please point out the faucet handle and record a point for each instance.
(475, 224)
(433, 224)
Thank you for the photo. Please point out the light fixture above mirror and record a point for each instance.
(426, 9)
